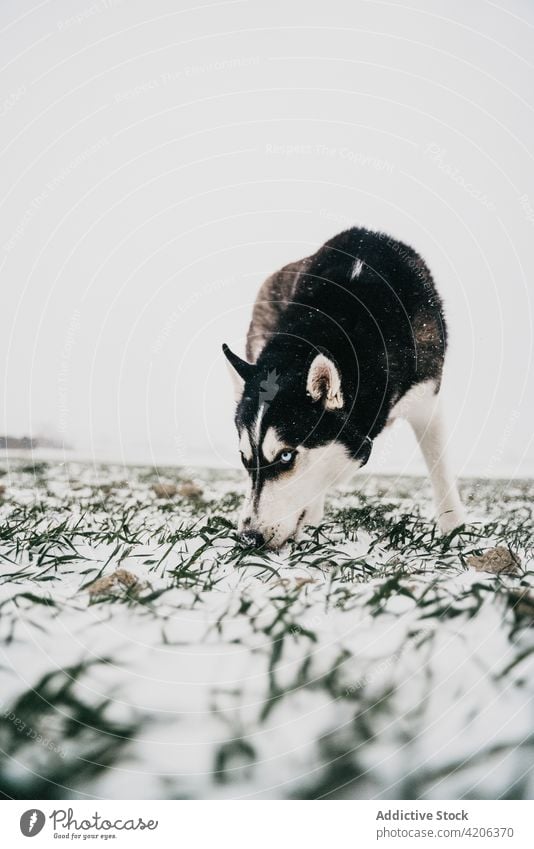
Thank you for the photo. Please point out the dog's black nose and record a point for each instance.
(252, 539)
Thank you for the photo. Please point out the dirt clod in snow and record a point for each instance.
(164, 490)
(497, 560)
(189, 489)
(127, 579)
(108, 583)
(301, 582)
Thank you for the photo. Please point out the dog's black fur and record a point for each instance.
(383, 327)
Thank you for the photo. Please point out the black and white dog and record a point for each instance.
(340, 344)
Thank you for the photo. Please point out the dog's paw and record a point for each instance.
(451, 520)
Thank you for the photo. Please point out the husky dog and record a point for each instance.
(340, 344)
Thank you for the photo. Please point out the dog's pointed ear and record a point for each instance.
(240, 370)
(324, 383)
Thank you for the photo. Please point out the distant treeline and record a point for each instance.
(27, 442)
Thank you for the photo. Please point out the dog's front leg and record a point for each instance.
(423, 411)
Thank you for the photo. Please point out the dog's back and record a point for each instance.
(370, 302)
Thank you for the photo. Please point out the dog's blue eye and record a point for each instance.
(286, 457)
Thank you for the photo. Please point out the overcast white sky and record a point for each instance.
(159, 159)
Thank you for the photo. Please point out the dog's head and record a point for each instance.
(294, 443)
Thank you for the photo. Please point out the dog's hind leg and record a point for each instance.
(421, 408)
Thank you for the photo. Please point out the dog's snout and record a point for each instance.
(252, 539)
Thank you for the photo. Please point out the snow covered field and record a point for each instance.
(144, 654)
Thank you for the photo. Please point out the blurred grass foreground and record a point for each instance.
(146, 655)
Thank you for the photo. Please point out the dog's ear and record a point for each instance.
(240, 370)
(324, 383)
